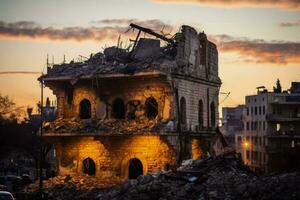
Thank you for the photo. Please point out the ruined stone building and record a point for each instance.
(270, 140)
(126, 112)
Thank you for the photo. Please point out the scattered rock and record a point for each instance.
(221, 177)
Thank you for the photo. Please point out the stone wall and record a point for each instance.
(102, 95)
(194, 91)
(112, 154)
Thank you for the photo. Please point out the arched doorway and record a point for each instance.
(151, 108)
(118, 109)
(135, 168)
(85, 109)
(89, 166)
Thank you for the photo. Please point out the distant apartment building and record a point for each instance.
(232, 119)
(232, 122)
(270, 140)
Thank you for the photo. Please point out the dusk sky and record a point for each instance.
(258, 41)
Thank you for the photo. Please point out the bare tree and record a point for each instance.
(8, 108)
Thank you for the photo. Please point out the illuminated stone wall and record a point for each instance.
(112, 154)
(196, 150)
(102, 94)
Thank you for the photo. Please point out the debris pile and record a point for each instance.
(105, 127)
(145, 54)
(69, 187)
(154, 52)
(222, 177)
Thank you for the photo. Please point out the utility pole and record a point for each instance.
(41, 144)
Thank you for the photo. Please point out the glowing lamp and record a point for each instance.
(246, 144)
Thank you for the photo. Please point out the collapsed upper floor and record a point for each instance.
(187, 53)
(150, 88)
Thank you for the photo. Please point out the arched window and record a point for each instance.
(151, 108)
(200, 113)
(182, 110)
(85, 109)
(212, 114)
(118, 109)
(89, 166)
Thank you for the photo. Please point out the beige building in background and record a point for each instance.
(270, 140)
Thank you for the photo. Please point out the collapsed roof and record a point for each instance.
(181, 54)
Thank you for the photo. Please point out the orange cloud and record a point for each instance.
(153, 24)
(279, 4)
(259, 51)
(111, 30)
(19, 72)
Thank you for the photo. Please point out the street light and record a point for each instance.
(41, 145)
(246, 144)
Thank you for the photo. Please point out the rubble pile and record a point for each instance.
(146, 54)
(69, 187)
(153, 52)
(106, 126)
(222, 177)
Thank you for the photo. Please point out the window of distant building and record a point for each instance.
(255, 140)
(247, 125)
(295, 112)
(259, 140)
(255, 110)
(255, 125)
(278, 126)
(264, 125)
(239, 139)
(255, 156)
(248, 155)
(259, 110)
(251, 110)
(264, 110)
(265, 140)
(279, 111)
(247, 111)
